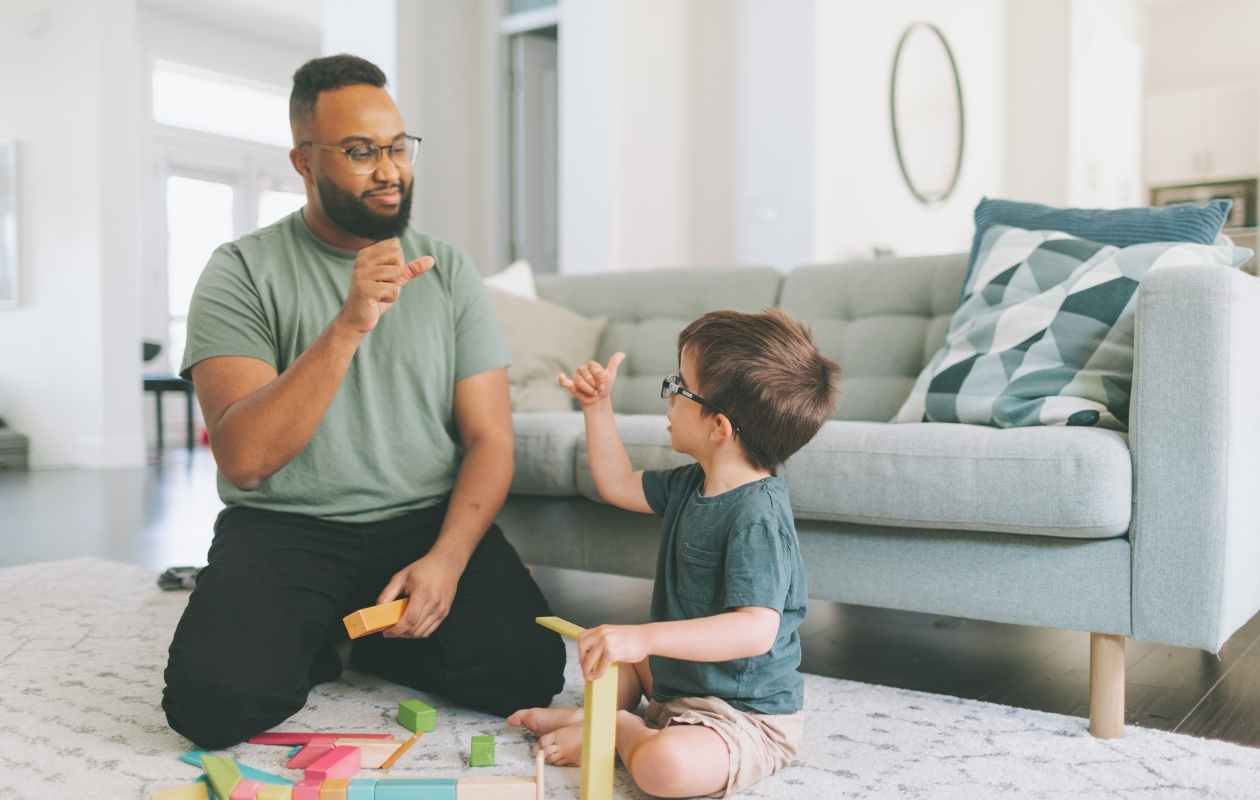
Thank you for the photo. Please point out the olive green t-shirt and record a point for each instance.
(719, 553)
(388, 443)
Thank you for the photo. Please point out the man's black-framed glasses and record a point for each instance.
(673, 385)
(364, 156)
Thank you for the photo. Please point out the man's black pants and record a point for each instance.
(263, 624)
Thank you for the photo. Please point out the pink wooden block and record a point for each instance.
(340, 762)
(310, 754)
(298, 737)
(246, 789)
(307, 789)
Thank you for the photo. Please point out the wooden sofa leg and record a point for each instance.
(1106, 685)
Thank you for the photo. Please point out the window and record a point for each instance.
(199, 215)
(273, 205)
(200, 100)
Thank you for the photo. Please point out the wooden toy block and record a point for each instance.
(334, 789)
(339, 762)
(271, 791)
(372, 619)
(194, 757)
(496, 787)
(304, 738)
(481, 754)
(415, 716)
(189, 791)
(362, 789)
(246, 789)
(416, 789)
(372, 752)
(312, 752)
(307, 790)
(403, 748)
(561, 626)
(599, 731)
(222, 774)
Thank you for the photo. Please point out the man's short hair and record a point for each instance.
(764, 372)
(325, 74)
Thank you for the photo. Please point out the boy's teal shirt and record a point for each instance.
(388, 444)
(717, 554)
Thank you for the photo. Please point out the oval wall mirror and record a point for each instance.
(926, 106)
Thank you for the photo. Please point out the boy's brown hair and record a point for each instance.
(764, 372)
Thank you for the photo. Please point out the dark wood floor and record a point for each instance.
(161, 515)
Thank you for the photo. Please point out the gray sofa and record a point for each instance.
(1154, 535)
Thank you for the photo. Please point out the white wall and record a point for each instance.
(444, 53)
(69, 355)
(1192, 44)
(364, 28)
(862, 200)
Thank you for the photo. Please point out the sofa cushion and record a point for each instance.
(545, 339)
(1044, 335)
(646, 440)
(1122, 227)
(1066, 482)
(646, 310)
(880, 320)
(546, 452)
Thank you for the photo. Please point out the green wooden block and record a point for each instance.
(482, 754)
(223, 774)
(415, 716)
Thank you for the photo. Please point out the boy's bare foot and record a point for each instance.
(541, 721)
(563, 746)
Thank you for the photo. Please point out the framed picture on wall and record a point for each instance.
(8, 224)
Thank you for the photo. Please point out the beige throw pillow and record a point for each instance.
(544, 339)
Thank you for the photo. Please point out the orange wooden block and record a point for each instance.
(334, 789)
(393, 759)
(374, 618)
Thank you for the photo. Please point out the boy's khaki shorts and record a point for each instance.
(760, 744)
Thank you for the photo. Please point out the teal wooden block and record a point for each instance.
(362, 789)
(415, 716)
(482, 752)
(416, 789)
(194, 757)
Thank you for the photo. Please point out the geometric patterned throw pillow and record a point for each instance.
(1044, 334)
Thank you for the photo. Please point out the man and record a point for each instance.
(354, 385)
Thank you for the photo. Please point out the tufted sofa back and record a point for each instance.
(647, 310)
(881, 320)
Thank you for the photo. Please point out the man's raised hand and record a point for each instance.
(592, 382)
(380, 272)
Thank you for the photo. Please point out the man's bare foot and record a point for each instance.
(563, 746)
(540, 721)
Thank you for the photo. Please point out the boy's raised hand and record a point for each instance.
(592, 383)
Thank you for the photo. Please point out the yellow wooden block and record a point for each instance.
(275, 791)
(189, 791)
(560, 626)
(374, 618)
(334, 789)
(599, 734)
(496, 787)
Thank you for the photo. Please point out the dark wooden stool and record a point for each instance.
(171, 383)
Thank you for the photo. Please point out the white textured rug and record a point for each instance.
(83, 644)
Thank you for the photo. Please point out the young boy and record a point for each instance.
(718, 664)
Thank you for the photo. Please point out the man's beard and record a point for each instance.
(352, 215)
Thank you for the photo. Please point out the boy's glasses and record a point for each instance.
(673, 385)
